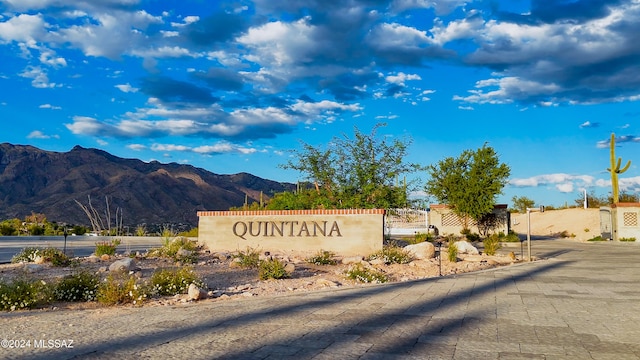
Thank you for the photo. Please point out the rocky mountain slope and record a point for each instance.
(34, 180)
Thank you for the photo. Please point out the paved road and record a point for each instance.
(580, 303)
(76, 245)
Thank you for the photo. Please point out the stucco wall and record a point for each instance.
(626, 220)
(447, 222)
(345, 232)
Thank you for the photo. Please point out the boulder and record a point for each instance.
(123, 265)
(289, 268)
(421, 251)
(195, 293)
(465, 247)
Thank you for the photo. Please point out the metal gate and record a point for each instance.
(606, 225)
(406, 221)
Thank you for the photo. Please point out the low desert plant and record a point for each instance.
(597, 238)
(629, 239)
(28, 254)
(512, 236)
(491, 244)
(178, 248)
(114, 291)
(50, 254)
(452, 252)
(174, 281)
(421, 237)
(82, 286)
(322, 258)
(107, 247)
(363, 274)
(249, 258)
(473, 237)
(392, 255)
(272, 269)
(23, 294)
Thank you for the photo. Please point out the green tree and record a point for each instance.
(359, 172)
(521, 203)
(469, 184)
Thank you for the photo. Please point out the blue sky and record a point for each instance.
(234, 86)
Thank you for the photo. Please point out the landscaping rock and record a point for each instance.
(465, 247)
(123, 265)
(32, 268)
(421, 251)
(289, 268)
(195, 293)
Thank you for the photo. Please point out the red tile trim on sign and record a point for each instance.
(294, 212)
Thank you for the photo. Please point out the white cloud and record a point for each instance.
(22, 28)
(39, 77)
(127, 88)
(37, 134)
(401, 77)
(561, 180)
(136, 147)
(49, 106)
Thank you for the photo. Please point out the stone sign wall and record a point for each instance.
(348, 232)
(626, 221)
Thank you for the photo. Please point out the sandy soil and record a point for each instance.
(580, 224)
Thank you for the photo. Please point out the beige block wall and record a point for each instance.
(305, 232)
(626, 221)
(447, 222)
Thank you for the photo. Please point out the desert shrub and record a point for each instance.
(28, 254)
(392, 255)
(106, 247)
(174, 281)
(23, 294)
(191, 233)
(322, 258)
(53, 255)
(473, 237)
(249, 258)
(452, 252)
(121, 291)
(366, 275)
(82, 286)
(272, 269)
(511, 237)
(597, 238)
(629, 239)
(171, 248)
(565, 234)
(491, 244)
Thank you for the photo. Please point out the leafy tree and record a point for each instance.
(521, 203)
(595, 201)
(359, 172)
(469, 184)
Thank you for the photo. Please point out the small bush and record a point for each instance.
(272, 269)
(511, 237)
(249, 258)
(107, 247)
(597, 238)
(564, 234)
(82, 286)
(586, 229)
(362, 274)
(630, 239)
(23, 294)
(392, 255)
(52, 255)
(174, 281)
(121, 291)
(322, 258)
(421, 237)
(171, 249)
(28, 254)
(491, 244)
(472, 237)
(452, 252)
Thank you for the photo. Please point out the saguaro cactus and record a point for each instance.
(615, 169)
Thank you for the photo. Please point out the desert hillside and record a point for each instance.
(583, 223)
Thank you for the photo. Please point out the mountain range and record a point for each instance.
(57, 183)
